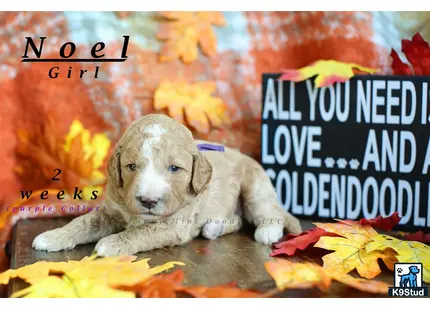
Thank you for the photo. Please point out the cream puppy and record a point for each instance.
(163, 191)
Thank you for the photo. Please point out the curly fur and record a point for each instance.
(209, 194)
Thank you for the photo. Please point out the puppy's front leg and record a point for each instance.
(86, 228)
(140, 239)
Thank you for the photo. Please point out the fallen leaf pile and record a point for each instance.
(353, 245)
(328, 72)
(78, 155)
(291, 242)
(112, 271)
(195, 101)
(111, 277)
(417, 52)
(184, 31)
(356, 245)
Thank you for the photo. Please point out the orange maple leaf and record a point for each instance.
(160, 286)
(288, 274)
(193, 100)
(183, 31)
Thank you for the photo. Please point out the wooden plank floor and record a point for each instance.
(236, 257)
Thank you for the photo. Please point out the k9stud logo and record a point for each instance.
(408, 281)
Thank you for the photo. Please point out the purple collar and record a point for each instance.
(210, 147)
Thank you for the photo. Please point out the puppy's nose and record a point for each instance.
(147, 203)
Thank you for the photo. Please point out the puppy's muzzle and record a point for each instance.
(147, 202)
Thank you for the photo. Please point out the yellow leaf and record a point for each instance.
(113, 271)
(193, 100)
(75, 129)
(65, 287)
(291, 275)
(406, 251)
(288, 274)
(100, 146)
(34, 271)
(328, 72)
(350, 252)
(78, 155)
(96, 148)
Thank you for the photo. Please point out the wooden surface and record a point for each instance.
(236, 257)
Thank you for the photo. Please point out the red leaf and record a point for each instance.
(384, 223)
(291, 242)
(299, 242)
(399, 68)
(419, 236)
(417, 51)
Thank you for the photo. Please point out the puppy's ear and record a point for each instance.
(114, 167)
(202, 173)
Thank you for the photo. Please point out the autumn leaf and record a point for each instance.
(350, 250)
(291, 275)
(195, 101)
(33, 272)
(406, 251)
(293, 242)
(184, 31)
(384, 223)
(112, 271)
(365, 285)
(65, 287)
(160, 286)
(398, 67)
(417, 51)
(328, 72)
(78, 155)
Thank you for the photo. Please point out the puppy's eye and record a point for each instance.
(132, 167)
(173, 168)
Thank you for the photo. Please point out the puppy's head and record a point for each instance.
(156, 168)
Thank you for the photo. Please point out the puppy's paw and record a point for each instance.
(53, 241)
(113, 245)
(292, 224)
(212, 230)
(269, 234)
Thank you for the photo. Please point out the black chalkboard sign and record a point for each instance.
(351, 150)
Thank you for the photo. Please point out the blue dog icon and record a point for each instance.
(410, 279)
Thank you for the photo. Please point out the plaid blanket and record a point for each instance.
(249, 44)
